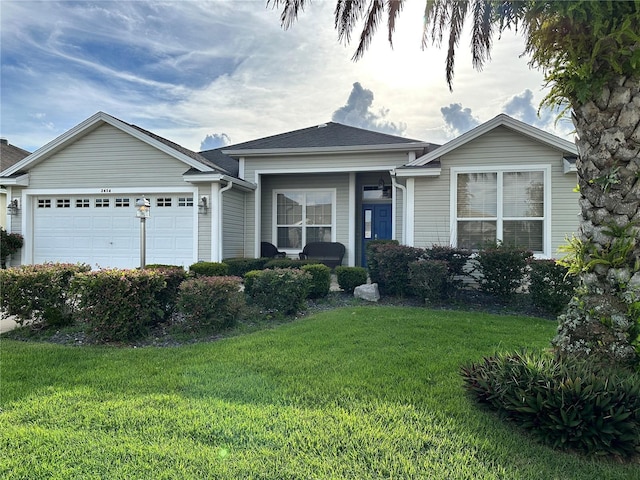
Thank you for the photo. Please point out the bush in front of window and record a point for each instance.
(550, 287)
(428, 279)
(501, 269)
(350, 277)
(117, 305)
(209, 269)
(238, 267)
(279, 290)
(456, 259)
(211, 303)
(392, 267)
(320, 280)
(39, 293)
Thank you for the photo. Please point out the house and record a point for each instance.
(9, 155)
(504, 180)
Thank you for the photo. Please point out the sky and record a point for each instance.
(205, 74)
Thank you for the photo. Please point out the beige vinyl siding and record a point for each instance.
(499, 147)
(15, 226)
(337, 181)
(233, 224)
(129, 162)
(432, 224)
(319, 163)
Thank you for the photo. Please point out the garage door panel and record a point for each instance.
(110, 237)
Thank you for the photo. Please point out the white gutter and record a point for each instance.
(220, 192)
(404, 208)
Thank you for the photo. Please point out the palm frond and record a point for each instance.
(376, 7)
(482, 33)
(458, 15)
(394, 8)
(346, 15)
(290, 11)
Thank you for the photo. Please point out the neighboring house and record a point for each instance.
(9, 155)
(504, 180)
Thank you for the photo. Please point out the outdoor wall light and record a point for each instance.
(14, 207)
(203, 204)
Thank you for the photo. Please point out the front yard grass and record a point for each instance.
(353, 393)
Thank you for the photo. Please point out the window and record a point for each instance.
(83, 203)
(185, 201)
(44, 203)
(303, 217)
(122, 202)
(63, 203)
(163, 202)
(502, 205)
(102, 203)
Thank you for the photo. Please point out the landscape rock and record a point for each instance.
(368, 292)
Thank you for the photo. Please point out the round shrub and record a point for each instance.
(279, 290)
(550, 287)
(211, 302)
(351, 277)
(209, 269)
(320, 280)
(118, 305)
(501, 269)
(428, 279)
(173, 276)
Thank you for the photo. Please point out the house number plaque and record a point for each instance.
(105, 190)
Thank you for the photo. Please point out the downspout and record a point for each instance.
(220, 192)
(404, 205)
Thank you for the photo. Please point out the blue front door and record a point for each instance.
(376, 225)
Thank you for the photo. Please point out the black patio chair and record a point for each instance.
(269, 250)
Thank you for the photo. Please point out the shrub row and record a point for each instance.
(437, 273)
(568, 404)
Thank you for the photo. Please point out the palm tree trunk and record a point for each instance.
(603, 320)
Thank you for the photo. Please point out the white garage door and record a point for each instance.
(103, 231)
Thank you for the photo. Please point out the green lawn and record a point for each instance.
(353, 393)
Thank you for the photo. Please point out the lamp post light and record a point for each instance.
(143, 211)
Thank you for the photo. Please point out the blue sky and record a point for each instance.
(207, 73)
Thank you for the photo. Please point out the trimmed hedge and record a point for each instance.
(118, 305)
(351, 277)
(501, 269)
(551, 287)
(320, 280)
(209, 269)
(372, 262)
(289, 263)
(174, 275)
(239, 266)
(211, 302)
(39, 292)
(428, 279)
(278, 290)
(565, 404)
(392, 267)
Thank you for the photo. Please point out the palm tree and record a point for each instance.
(589, 52)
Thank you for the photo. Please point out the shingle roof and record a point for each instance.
(330, 134)
(190, 153)
(218, 158)
(10, 154)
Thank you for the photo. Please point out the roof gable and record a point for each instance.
(501, 120)
(188, 157)
(330, 135)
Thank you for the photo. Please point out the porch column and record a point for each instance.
(351, 257)
(214, 211)
(410, 214)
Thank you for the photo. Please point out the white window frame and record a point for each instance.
(500, 170)
(274, 215)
